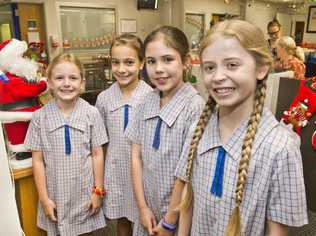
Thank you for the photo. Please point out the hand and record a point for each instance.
(147, 219)
(49, 209)
(94, 204)
(161, 231)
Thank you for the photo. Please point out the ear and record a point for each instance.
(83, 85)
(141, 65)
(187, 62)
(262, 71)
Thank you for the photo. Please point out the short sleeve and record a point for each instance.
(196, 108)
(180, 171)
(132, 131)
(100, 106)
(286, 198)
(33, 140)
(99, 135)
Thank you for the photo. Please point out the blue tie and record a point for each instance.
(67, 140)
(3, 77)
(217, 185)
(125, 116)
(156, 141)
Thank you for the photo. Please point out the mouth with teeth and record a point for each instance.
(224, 91)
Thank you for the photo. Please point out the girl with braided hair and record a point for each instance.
(240, 171)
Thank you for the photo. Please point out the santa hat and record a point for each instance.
(12, 47)
(11, 59)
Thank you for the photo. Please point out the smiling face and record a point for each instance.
(66, 82)
(164, 67)
(230, 74)
(125, 65)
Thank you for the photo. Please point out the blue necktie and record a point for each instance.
(217, 185)
(67, 140)
(125, 116)
(156, 141)
(3, 77)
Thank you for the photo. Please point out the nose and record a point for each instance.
(219, 75)
(67, 81)
(159, 67)
(121, 68)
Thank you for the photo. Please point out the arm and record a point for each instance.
(185, 222)
(98, 173)
(40, 182)
(172, 215)
(146, 216)
(275, 229)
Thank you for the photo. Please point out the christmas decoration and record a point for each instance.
(314, 139)
(19, 89)
(302, 107)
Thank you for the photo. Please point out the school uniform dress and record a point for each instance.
(161, 132)
(274, 188)
(69, 177)
(117, 113)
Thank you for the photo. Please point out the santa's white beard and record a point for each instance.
(22, 67)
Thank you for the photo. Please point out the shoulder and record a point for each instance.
(107, 92)
(280, 140)
(88, 108)
(145, 86)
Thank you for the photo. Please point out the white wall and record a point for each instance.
(147, 20)
(208, 7)
(9, 218)
(309, 37)
(259, 14)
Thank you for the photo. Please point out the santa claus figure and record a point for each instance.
(19, 91)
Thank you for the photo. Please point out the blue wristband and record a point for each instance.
(167, 226)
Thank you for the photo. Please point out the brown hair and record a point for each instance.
(274, 22)
(173, 37)
(289, 45)
(131, 41)
(65, 57)
(252, 39)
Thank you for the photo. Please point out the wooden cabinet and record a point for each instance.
(27, 199)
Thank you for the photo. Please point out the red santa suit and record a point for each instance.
(18, 92)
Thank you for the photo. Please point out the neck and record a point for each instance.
(66, 107)
(231, 119)
(166, 97)
(129, 89)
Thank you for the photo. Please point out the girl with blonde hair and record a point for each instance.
(66, 138)
(240, 171)
(291, 57)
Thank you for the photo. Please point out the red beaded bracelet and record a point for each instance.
(98, 191)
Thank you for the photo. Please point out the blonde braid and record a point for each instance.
(234, 225)
(204, 118)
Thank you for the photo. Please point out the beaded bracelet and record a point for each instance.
(98, 191)
(167, 226)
